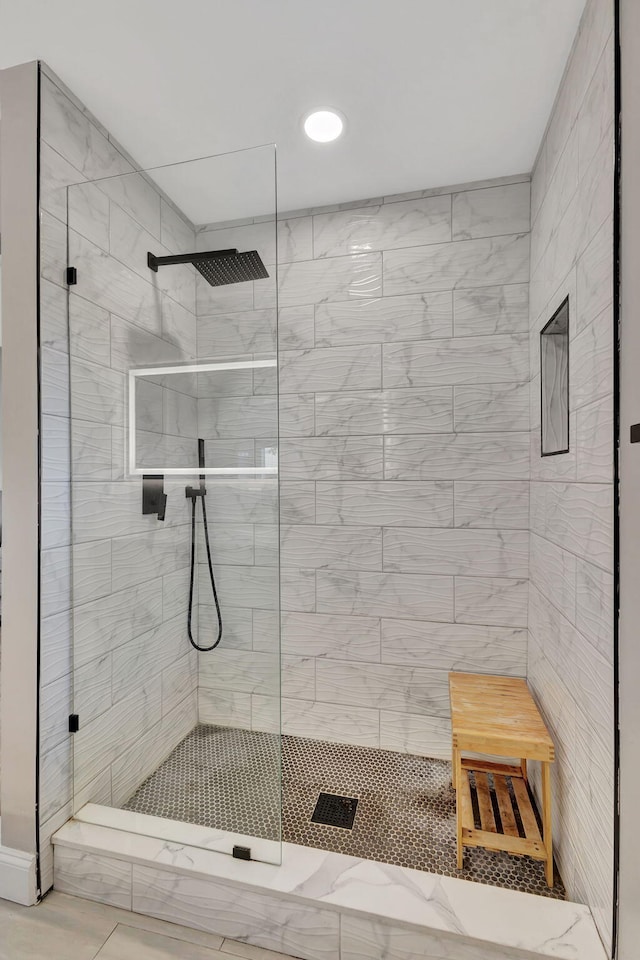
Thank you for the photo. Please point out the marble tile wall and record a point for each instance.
(404, 461)
(570, 659)
(114, 584)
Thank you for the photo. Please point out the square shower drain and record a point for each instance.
(335, 811)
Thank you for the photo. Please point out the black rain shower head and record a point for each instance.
(218, 267)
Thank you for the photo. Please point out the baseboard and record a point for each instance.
(18, 876)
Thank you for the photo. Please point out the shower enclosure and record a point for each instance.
(175, 508)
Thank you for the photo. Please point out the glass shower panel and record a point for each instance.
(175, 566)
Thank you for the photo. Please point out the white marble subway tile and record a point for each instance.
(92, 688)
(134, 763)
(594, 606)
(331, 547)
(336, 637)
(335, 722)
(266, 630)
(54, 331)
(56, 449)
(553, 571)
(56, 779)
(594, 442)
(464, 263)
(145, 655)
(253, 331)
(499, 504)
(385, 320)
(385, 595)
(389, 503)
(104, 740)
(287, 927)
(266, 541)
(178, 326)
(56, 173)
(335, 278)
(53, 249)
(591, 360)
(295, 240)
(297, 678)
(456, 188)
(415, 690)
(130, 244)
(297, 501)
(296, 328)
(330, 368)
(55, 645)
(149, 401)
(455, 646)
(176, 232)
(337, 458)
(243, 501)
(97, 393)
(419, 735)
(237, 623)
(179, 681)
(229, 453)
(249, 586)
(408, 223)
(577, 517)
(55, 581)
(89, 331)
(88, 213)
(488, 456)
(491, 407)
(298, 589)
(224, 383)
(74, 137)
(296, 415)
(93, 877)
(54, 372)
(597, 109)
(245, 671)
(231, 542)
(113, 286)
(104, 624)
(56, 703)
(103, 510)
(238, 417)
(561, 191)
(493, 310)
(459, 552)
(492, 212)
(175, 593)
(226, 708)
(179, 414)
(595, 277)
(487, 600)
(131, 346)
(91, 570)
(225, 299)
(426, 410)
(463, 360)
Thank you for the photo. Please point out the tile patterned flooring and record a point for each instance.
(230, 779)
(66, 928)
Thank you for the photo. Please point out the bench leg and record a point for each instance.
(523, 767)
(457, 773)
(546, 822)
(453, 767)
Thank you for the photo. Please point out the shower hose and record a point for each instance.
(194, 497)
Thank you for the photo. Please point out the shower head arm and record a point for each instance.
(154, 262)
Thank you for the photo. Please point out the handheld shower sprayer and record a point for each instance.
(194, 494)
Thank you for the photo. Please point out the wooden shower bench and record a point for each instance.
(498, 716)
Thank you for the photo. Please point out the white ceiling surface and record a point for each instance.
(435, 91)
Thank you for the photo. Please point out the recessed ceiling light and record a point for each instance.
(324, 125)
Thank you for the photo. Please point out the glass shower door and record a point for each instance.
(175, 567)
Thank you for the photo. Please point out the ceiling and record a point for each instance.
(435, 91)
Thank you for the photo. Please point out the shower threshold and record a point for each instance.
(229, 779)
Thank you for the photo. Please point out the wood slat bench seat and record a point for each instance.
(498, 716)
